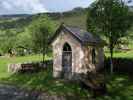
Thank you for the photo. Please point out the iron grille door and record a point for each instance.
(67, 61)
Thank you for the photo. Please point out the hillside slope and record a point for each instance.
(75, 20)
(76, 17)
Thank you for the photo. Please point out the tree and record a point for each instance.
(23, 42)
(41, 30)
(110, 18)
(7, 40)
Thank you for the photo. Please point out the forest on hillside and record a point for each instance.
(15, 35)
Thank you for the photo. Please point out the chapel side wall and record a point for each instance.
(77, 54)
(100, 58)
(88, 65)
(57, 58)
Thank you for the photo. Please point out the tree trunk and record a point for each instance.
(111, 57)
(43, 56)
(44, 49)
(111, 62)
(44, 53)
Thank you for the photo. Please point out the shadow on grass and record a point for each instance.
(120, 87)
(44, 82)
(120, 84)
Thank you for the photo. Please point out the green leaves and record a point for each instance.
(110, 18)
(41, 31)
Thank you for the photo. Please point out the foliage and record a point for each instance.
(14, 21)
(110, 18)
(23, 43)
(7, 39)
(121, 65)
(119, 86)
(17, 38)
(41, 30)
(21, 37)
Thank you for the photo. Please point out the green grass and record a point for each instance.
(42, 81)
(122, 54)
(4, 61)
(120, 87)
(78, 20)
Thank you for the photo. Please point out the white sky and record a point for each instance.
(36, 6)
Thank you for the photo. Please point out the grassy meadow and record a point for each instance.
(123, 54)
(42, 81)
(120, 86)
(4, 61)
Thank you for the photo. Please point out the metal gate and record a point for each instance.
(66, 62)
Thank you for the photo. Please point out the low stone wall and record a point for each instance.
(14, 68)
(29, 66)
(23, 67)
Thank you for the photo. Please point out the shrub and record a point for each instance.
(121, 65)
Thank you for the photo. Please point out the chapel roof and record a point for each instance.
(81, 35)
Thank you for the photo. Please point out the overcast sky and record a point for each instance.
(37, 6)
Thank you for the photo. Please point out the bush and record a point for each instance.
(121, 65)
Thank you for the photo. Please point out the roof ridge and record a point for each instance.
(72, 32)
(83, 36)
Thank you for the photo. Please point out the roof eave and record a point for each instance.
(94, 44)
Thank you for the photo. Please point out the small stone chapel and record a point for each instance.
(75, 52)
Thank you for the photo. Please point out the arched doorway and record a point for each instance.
(66, 60)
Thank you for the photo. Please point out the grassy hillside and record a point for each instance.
(76, 17)
(13, 25)
(11, 22)
(79, 21)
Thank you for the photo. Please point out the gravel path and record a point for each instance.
(8, 92)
